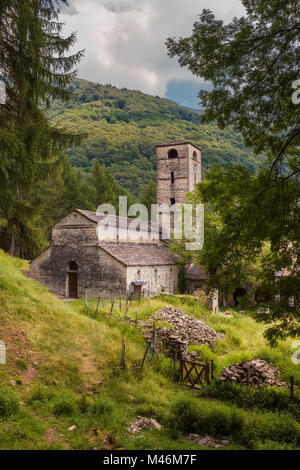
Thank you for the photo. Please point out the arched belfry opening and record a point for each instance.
(195, 156)
(72, 280)
(172, 153)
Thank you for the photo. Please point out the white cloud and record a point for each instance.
(125, 39)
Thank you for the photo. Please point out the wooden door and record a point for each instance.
(73, 285)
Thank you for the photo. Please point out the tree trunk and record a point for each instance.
(12, 245)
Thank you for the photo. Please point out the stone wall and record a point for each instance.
(187, 172)
(156, 278)
(40, 268)
(99, 274)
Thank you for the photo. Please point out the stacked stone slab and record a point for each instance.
(186, 330)
(260, 373)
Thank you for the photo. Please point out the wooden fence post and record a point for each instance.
(97, 308)
(207, 373)
(212, 369)
(122, 363)
(112, 306)
(120, 303)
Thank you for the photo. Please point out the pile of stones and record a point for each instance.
(256, 372)
(141, 423)
(184, 330)
(208, 441)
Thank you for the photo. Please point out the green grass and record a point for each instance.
(66, 360)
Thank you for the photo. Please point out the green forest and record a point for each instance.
(124, 126)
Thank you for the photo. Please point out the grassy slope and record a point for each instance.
(58, 353)
(124, 126)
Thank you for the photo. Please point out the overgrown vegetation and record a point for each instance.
(124, 126)
(73, 376)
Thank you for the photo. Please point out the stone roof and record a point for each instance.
(196, 273)
(136, 254)
(94, 217)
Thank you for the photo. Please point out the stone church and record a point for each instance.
(79, 261)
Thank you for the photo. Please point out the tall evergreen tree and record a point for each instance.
(35, 70)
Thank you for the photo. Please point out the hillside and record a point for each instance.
(62, 371)
(124, 126)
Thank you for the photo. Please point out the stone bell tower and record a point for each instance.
(178, 170)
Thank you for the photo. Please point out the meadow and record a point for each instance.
(63, 370)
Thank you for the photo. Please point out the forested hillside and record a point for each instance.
(124, 126)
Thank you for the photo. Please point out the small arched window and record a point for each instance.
(172, 153)
(138, 276)
(73, 266)
(195, 155)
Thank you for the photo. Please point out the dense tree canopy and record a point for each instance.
(35, 68)
(253, 63)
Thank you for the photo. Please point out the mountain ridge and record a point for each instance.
(124, 126)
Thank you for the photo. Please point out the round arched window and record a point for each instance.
(73, 266)
(172, 153)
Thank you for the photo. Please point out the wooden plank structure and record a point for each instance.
(193, 374)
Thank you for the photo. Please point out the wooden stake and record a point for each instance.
(112, 306)
(122, 363)
(97, 308)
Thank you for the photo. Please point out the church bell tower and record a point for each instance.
(178, 171)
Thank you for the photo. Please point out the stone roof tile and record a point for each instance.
(133, 254)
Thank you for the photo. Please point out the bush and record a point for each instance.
(269, 398)
(188, 417)
(9, 402)
(102, 407)
(64, 404)
(185, 417)
(224, 422)
(83, 404)
(42, 394)
(270, 426)
(251, 429)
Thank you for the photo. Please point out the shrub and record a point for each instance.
(102, 407)
(64, 404)
(223, 422)
(83, 404)
(270, 426)
(42, 394)
(269, 398)
(185, 416)
(9, 402)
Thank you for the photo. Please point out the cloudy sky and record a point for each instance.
(125, 42)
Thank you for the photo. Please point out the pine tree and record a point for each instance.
(35, 70)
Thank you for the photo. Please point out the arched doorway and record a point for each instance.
(73, 280)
